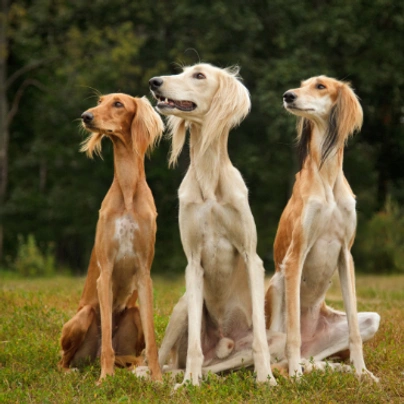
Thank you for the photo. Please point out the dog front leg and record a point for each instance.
(104, 287)
(293, 271)
(347, 279)
(194, 287)
(145, 291)
(260, 346)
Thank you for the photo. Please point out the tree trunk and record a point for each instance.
(4, 134)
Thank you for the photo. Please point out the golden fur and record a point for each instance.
(108, 318)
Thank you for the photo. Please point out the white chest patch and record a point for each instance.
(125, 233)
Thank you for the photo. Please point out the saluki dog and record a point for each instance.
(119, 269)
(222, 310)
(316, 233)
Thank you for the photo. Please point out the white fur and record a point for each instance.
(224, 272)
(125, 232)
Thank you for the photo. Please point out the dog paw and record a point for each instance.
(296, 371)
(142, 372)
(265, 376)
(272, 381)
(367, 376)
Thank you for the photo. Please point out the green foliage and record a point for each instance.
(55, 192)
(381, 243)
(30, 261)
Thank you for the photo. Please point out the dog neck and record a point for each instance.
(128, 171)
(209, 165)
(331, 168)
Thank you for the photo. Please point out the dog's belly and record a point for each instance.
(123, 285)
(319, 267)
(226, 289)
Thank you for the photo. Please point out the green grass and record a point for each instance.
(32, 313)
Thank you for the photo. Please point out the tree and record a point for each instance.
(4, 134)
(54, 192)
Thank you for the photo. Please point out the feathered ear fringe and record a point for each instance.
(177, 131)
(304, 128)
(147, 127)
(345, 119)
(92, 145)
(229, 107)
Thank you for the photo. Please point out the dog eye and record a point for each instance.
(320, 86)
(199, 76)
(118, 104)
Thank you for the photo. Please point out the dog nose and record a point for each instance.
(155, 83)
(87, 117)
(289, 96)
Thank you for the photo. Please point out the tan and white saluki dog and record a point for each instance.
(316, 233)
(119, 271)
(222, 310)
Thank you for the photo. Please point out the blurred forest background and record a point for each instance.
(53, 53)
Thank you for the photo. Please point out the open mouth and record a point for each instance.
(291, 106)
(164, 102)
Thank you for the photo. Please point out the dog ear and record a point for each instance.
(229, 107)
(349, 114)
(177, 131)
(345, 119)
(304, 128)
(147, 126)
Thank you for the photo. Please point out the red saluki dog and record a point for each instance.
(108, 318)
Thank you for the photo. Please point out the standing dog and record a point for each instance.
(224, 300)
(122, 256)
(316, 233)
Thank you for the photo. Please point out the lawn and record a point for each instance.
(33, 312)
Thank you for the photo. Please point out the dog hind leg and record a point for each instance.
(334, 338)
(128, 340)
(80, 338)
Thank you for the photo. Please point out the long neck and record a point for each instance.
(208, 165)
(331, 168)
(128, 171)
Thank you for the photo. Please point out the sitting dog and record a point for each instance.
(219, 322)
(316, 233)
(108, 318)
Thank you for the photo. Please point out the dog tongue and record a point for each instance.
(184, 104)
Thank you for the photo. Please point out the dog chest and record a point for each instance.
(330, 219)
(126, 229)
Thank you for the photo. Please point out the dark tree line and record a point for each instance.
(53, 53)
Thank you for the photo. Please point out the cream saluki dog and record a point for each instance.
(316, 233)
(121, 259)
(222, 310)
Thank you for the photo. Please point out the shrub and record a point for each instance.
(381, 243)
(30, 261)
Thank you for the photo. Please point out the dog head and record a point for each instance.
(328, 103)
(120, 116)
(203, 95)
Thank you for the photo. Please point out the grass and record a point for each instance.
(32, 313)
